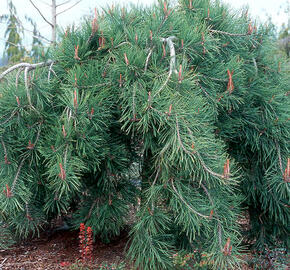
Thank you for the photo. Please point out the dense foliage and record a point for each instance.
(180, 111)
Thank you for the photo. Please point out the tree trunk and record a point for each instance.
(53, 21)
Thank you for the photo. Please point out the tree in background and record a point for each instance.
(13, 46)
(54, 14)
(14, 50)
(37, 49)
(284, 35)
(189, 101)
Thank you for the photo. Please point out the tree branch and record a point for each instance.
(191, 154)
(17, 174)
(219, 223)
(16, 45)
(17, 76)
(91, 209)
(170, 44)
(12, 114)
(25, 29)
(147, 59)
(4, 148)
(38, 134)
(279, 156)
(41, 13)
(49, 71)
(24, 65)
(64, 3)
(190, 208)
(208, 169)
(228, 34)
(26, 85)
(68, 8)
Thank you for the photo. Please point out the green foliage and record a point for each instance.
(13, 48)
(6, 237)
(117, 121)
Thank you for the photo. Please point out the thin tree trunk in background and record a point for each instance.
(53, 21)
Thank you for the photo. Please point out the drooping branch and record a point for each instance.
(191, 154)
(182, 199)
(26, 70)
(147, 59)
(218, 220)
(157, 175)
(49, 71)
(122, 43)
(255, 65)
(179, 139)
(65, 156)
(227, 33)
(27, 67)
(12, 114)
(279, 157)
(17, 174)
(172, 68)
(170, 44)
(24, 65)
(208, 169)
(17, 76)
(38, 134)
(5, 150)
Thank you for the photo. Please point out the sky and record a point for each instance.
(257, 8)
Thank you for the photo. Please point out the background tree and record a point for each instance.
(54, 14)
(13, 46)
(284, 34)
(37, 49)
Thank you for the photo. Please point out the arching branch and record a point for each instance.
(191, 154)
(189, 207)
(24, 65)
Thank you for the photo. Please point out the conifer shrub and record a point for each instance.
(181, 111)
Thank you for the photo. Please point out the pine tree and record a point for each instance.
(186, 100)
(36, 47)
(13, 47)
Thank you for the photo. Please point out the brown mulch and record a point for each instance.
(45, 253)
(49, 252)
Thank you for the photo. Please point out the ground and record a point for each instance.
(60, 250)
(62, 247)
(45, 253)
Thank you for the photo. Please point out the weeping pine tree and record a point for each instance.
(182, 111)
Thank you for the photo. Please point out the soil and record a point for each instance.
(55, 251)
(59, 249)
